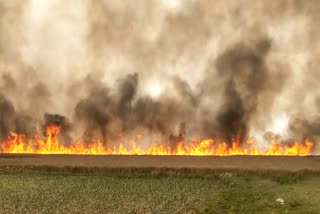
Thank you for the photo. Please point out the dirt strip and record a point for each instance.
(249, 163)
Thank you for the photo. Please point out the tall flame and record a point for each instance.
(18, 143)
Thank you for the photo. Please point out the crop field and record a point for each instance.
(158, 184)
(37, 191)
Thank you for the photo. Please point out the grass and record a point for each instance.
(258, 195)
(57, 192)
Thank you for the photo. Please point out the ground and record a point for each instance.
(44, 191)
(195, 163)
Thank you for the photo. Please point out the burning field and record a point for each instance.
(174, 99)
(18, 143)
(118, 86)
(19, 151)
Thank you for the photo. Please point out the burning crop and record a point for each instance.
(18, 143)
(139, 90)
(192, 79)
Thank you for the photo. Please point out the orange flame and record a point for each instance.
(18, 143)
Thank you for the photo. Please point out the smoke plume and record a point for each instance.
(168, 69)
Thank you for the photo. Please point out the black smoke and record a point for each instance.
(61, 121)
(7, 117)
(245, 74)
(107, 113)
(219, 82)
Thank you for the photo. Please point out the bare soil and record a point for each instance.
(200, 163)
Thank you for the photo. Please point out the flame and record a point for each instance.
(18, 143)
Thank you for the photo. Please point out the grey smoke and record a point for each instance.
(245, 75)
(224, 69)
(7, 114)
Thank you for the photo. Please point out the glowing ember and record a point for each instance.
(20, 144)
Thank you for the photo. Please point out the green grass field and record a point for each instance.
(53, 192)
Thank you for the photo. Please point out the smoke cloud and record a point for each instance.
(167, 69)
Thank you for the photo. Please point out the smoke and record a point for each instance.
(93, 112)
(245, 76)
(7, 113)
(304, 126)
(171, 70)
(59, 120)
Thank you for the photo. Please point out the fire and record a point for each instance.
(18, 143)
